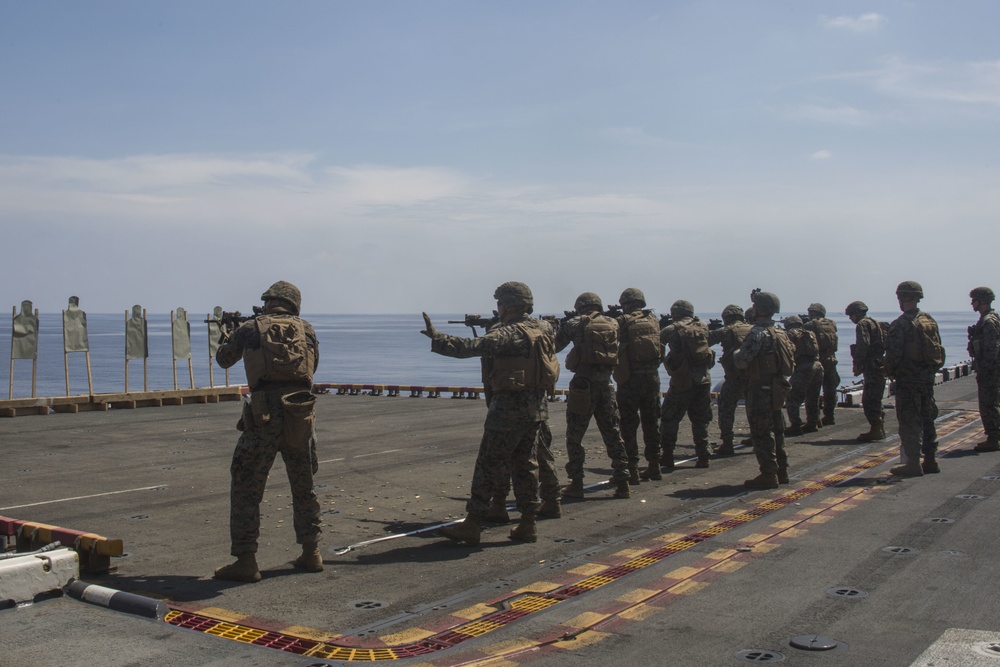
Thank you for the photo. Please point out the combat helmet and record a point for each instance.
(856, 308)
(910, 288)
(588, 301)
(632, 294)
(766, 303)
(285, 291)
(983, 295)
(733, 312)
(682, 308)
(817, 308)
(792, 322)
(514, 294)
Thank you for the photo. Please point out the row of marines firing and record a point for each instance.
(280, 353)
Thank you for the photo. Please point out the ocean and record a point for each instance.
(354, 349)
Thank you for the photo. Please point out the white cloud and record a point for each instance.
(963, 83)
(833, 115)
(821, 155)
(857, 24)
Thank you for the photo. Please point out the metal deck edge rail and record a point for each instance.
(95, 551)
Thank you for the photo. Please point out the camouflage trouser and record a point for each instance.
(696, 403)
(639, 403)
(915, 413)
(604, 409)
(733, 389)
(989, 405)
(831, 381)
(252, 460)
(807, 382)
(506, 452)
(767, 430)
(871, 397)
(548, 481)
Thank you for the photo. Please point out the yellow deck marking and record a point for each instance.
(728, 566)
(720, 554)
(640, 612)
(222, 614)
(511, 646)
(637, 595)
(408, 636)
(544, 586)
(582, 640)
(586, 620)
(629, 553)
(683, 572)
(474, 612)
(588, 569)
(687, 587)
(309, 633)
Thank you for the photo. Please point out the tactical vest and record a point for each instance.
(731, 341)
(975, 347)
(600, 341)
(924, 348)
(641, 337)
(876, 344)
(538, 370)
(804, 342)
(776, 359)
(826, 335)
(694, 344)
(284, 356)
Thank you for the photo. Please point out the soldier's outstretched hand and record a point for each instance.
(428, 327)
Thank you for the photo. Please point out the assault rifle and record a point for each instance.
(613, 311)
(666, 321)
(474, 321)
(714, 324)
(805, 318)
(231, 320)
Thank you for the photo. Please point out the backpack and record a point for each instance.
(694, 344)
(543, 349)
(600, 340)
(785, 352)
(284, 355)
(641, 334)
(931, 352)
(805, 344)
(826, 335)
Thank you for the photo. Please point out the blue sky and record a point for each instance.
(406, 156)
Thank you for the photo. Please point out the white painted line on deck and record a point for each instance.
(343, 458)
(95, 495)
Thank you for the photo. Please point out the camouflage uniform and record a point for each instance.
(827, 357)
(868, 354)
(513, 419)
(734, 387)
(259, 444)
(638, 394)
(914, 387)
(767, 426)
(594, 397)
(548, 480)
(689, 392)
(807, 380)
(984, 348)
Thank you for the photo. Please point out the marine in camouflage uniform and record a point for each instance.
(518, 406)
(807, 380)
(984, 348)
(767, 389)
(908, 346)
(271, 424)
(734, 386)
(593, 358)
(826, 335)
(868, 355)
(638, 378)
(690, 388)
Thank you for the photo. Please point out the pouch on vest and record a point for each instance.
(600, 341)
(299, 417)
(578, 399)
(784, 354)
(642, 337)
(780, 388)
(256, 413)
(826, 336)
(806, 345)
(622, 373)
(694, 345)
(284, 354)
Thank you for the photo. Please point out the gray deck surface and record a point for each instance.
(159, 479)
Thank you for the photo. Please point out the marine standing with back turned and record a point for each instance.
(524, 366)
(826, 335)
(807, 379)
(592, 360)
(638, 378)
(767, 357)
(984, 348)
(734, 387)
(913, 355)
(868, 355)
(280, 353)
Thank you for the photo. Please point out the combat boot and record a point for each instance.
(911, 469)
(622, 490)
(930, 465)
(726, 448)
(991, 444)
(244, 569)
(793, 430)
(468, 531)
(497, 511)
(667, 462)
(702, 462)
(782, 475)
(311, 560)
(765, 480)
(876, 432)
(810, 426)
(633, 476)
(651, 472)
(574, 489)
(828, 420)
(746, 441)
(525, 530)
(550, 509)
